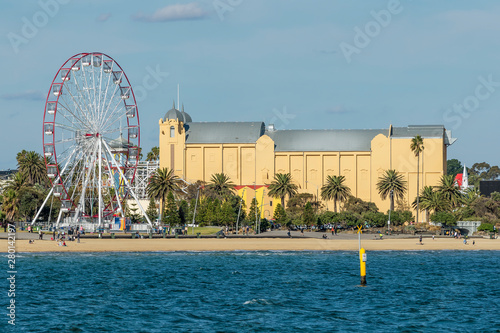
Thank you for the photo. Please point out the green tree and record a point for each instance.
(485, 227)
(153, 155)
(335, 189)
(375, 219)
(227, 216)
(347, 219)
(391, 184)
(221, 185)
(308, 218)
(281, 186)
(184, 212)
(32, 166)
(327, 217)
(359, 206)
(426, 197)
(280, 215)
(454, 167)
(254, 211)
(417, 147)
(152, 212)
(133, 212)
(163, 182)
(172, 217)
(445, 218)
(450, 191)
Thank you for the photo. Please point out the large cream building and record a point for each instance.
(251, 154)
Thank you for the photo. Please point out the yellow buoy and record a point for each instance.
(362, 265)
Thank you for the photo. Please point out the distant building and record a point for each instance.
(251, 153)
(486, 187)
(5, 176)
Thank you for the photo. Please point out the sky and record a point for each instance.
(323, 64)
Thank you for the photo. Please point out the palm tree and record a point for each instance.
(335, 189)
(12, 195)
(162, 182)
(221, 184)
(426, 197)
(391, 184)
(153, 155)
(450, 190)
(437, 202)
(281, 186)
(417, 146)
(31, 164)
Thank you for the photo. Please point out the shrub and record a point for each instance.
(485, 227)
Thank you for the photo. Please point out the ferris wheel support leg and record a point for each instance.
(59, 218)
(43, 205)
(51, 190)
(116, 192)
(127, 183)
(100, 182)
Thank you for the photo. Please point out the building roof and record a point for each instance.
(303, 140)
(224, 132)
(324, 140)
(425, 131)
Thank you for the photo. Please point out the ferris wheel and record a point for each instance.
(91, 137)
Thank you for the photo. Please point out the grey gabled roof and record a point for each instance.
(425, 131)
(223, 132)
(324, 140)
(302, 140)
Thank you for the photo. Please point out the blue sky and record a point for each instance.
(299, 64)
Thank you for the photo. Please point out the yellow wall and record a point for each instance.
(254, 164)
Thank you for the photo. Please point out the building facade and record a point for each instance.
(251, 153)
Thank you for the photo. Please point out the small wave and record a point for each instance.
(257, 301)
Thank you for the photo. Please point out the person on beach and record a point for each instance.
(420, 239)
(78, 236)
(40, 234)
(432, 237)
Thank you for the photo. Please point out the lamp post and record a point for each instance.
(195, 206)
(317, 192)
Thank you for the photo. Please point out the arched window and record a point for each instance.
(172, 131)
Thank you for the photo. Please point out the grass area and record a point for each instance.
(203, 230)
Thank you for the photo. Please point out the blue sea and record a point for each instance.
(407, 291)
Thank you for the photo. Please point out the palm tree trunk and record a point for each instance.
(335, 205)
(283, 202)
(418, 172)
(161, 208)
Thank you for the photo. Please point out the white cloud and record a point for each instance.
(177, 12)
(103, 17)
(28, 95)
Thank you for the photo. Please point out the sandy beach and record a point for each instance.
(251, 244)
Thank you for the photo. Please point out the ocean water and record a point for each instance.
(410, 291)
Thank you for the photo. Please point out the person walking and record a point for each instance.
(40, 234)
(420, 238)
(78, 236)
